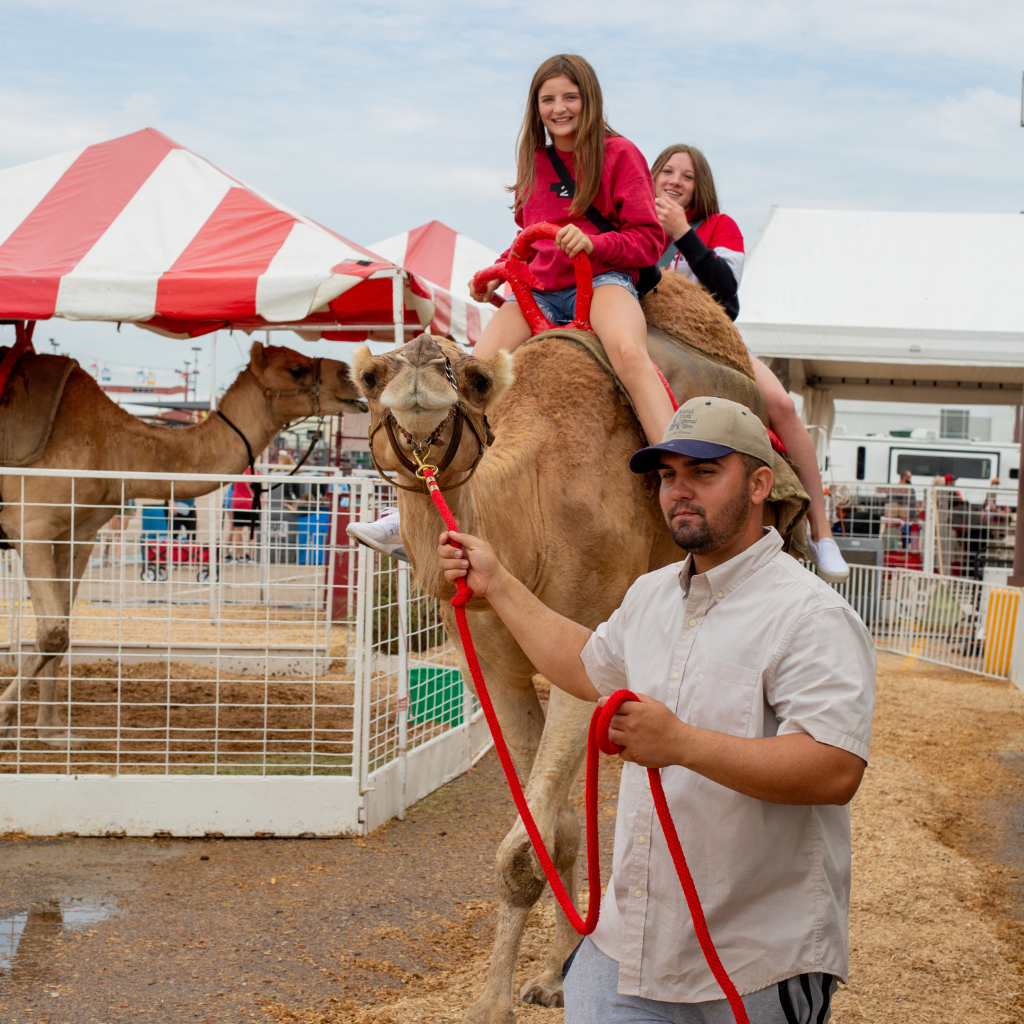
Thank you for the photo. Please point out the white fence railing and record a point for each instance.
(949, 620)
(228, 671)
(246, 673)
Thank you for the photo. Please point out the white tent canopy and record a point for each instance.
(925, 307)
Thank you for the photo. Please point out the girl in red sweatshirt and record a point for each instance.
(706, 246)
(565, 105)
(608, 171)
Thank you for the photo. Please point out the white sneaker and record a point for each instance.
(832, 567)
(382, 536)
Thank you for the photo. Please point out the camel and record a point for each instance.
(555, 497)
(92, 432)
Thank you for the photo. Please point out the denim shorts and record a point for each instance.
(559, 306)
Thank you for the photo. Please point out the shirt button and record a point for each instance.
(638, 893)
(675, 675)
(641, 839)
(693, 622)
(719, 595)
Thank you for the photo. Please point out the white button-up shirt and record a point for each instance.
(757, 646)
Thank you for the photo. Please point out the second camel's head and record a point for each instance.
(420, 384)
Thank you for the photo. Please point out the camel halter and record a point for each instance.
(269, 394)
(421, 448)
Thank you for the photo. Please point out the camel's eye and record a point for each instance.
(297, 372)
(369, 381)
(481, 384)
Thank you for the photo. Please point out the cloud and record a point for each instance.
(374, 117)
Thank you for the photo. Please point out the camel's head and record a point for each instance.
(299, 386)
(421, 385)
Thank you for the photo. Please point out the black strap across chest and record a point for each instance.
(648, 276)
(592, 213)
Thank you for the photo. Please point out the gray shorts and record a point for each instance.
(591, 996)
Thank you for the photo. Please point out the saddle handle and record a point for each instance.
(517, 272)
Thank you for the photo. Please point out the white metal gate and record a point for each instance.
(950, 620)
(236, 675)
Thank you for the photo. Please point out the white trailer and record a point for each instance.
(882, 459)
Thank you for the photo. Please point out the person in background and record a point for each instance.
(907, 495)
(243, 517)
(706, 246)
(291, 490)
(183, 517)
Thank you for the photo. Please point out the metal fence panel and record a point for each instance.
(205, 644)
(949, 620)
(949, 530)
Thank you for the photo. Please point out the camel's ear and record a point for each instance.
(363, 372)
(499, 370)
(487, 380)
(257, 358)
(359, 359)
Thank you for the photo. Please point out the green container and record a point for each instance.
(436, 695)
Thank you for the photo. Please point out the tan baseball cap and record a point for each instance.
(708, 428)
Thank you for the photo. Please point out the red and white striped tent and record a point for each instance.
(441, 261)
(140, 229)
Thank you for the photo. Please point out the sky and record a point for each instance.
(376, 117)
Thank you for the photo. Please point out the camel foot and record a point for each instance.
(544, 990)
(59, 737)
(487, 1012)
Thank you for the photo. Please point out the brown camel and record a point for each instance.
(92, 432)
(555, 497)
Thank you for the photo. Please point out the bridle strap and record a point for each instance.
(268, 394)
(387, 421)
(257, 487)
(313, 389)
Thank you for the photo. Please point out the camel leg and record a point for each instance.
(519, 875)
(40, 569)
(546, 987)
(46, 566)
(49, 726)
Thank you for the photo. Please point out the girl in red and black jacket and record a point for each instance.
(707, 247)
(609, 172)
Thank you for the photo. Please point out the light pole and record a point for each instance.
(195, 373)
(55, 347)
(1017, 576)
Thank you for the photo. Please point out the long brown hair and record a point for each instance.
(705, 198)
(588, 147)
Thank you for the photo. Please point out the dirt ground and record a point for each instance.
(396, 927)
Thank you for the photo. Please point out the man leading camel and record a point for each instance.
(757, 685)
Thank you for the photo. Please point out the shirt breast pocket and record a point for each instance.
(724, 697)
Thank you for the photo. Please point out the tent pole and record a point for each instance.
(1016, 578)
(213, 372)
(398, 308)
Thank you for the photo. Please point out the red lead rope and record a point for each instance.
(597, 738)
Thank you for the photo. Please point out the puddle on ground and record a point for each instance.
(25, 938)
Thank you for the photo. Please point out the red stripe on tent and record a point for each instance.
(368, 303)
(472, 324)
(431, 252)
(217, 273)
(442, 322)
(71, 218)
